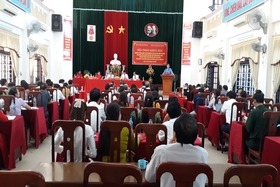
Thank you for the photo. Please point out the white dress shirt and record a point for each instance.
(135, 77)
(176, 153)
(101, 116)
(169, 126)
(73, 90)
(124, 76)
(110, 76)
(227, 109)
(78, 137)
(60, 95)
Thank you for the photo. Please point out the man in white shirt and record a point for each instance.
(94, 98)
(61, 82)
(124, 76)
(135, 76)
(110, 76)
(226, 109)
(73, 89)
(174, 111)
(59, 95)
(182, 151)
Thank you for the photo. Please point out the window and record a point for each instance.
(37, 70)
(212, 79)
(6, 67)
(244, 78)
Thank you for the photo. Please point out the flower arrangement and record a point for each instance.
(150, 71)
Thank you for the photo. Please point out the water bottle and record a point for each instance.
(34, 101)
(131, 123)
(150, 121)
(143, 78)
(14, 108)
(25, 96)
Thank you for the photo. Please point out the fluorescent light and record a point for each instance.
(245, 37)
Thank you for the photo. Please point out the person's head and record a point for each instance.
(174, 110)
(147, 84)
(79, 72)
(231, 95)
(217, 94)
(243, 94)
(94, 95)
(155, 95)
(258, 99)
(107, 86)
(50, 84)
(115, 56)
(43, 87)
(200, 90)
(11, 85)
(3, 82)
(172, 99)
(61, 81)
(239, 91)
(37, 79)
(65, 85)
(134, 73)
(154, 88)
(98, 73)
(78, 110)
(198, 85)
(113, 112)
(133, 90)
(24, 84)
(168, 66)
(14, 92)
(48, 80)
(121, 89)
(185, 129)
(149, 99)
(133, 86)
(70, 82)
(39, 83)
(123, 99)
(259, 91)
(225, 87)
(57, 86)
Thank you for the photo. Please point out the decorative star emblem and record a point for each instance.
(121, 30)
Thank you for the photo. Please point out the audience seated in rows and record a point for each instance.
(198, 100)
(149, 102)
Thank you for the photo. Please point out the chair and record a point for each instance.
(136, 96)
(115, 95)
(239, 99)
(8, 99)
(151, 131)
(126, 112)
(268, 100)
(3, 89)
(253, 155)
(250, 103)
(222, 99)
(240, 107)
(112, 174)
(115, 127)
(38, 96)
(104, 103)
(201, 133)
(184, 174)
(35, 89)
(21, 178)
(89, 111)
(140, 103)
(21, 91)
(180, 90)
(268, 106)
(251, 175)
(104, 96)
(162, 103)
(276, 107)
(68, 128)
(183, 110)
(152, 112)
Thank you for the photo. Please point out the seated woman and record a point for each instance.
(164, 112)
(123, 101)
(149, 102)
(113, 113)
(24, 84)
(65, 90)
(78, 112)
(214, 100)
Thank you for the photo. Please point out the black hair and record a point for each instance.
(3, 81)
(201, 90)
(65, 84)
(11, 84)
(231, 95)
(43, 87)
(243, 94)
(154, 88)
(123, 99)
(56, 86)
(225, 87)
(259, 97)
(78, 113)
(198, 85)
(133, 86)
(174, 110)
(220, 87)
(107, 86)
(134, 90)
(121, 89)
(155, 95)
(70, 81)
(143, 83)
(48, 80)
(186, 129)
(259, 91)
(13, 91)
(39, 83)
(149, 100)
(51, 84)
(172, 99)
(94, 95)
(217, 94)
(24, 84)
(61, 81)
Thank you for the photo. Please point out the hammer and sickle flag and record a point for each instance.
(110, 29)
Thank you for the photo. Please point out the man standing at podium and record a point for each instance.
(168, 70)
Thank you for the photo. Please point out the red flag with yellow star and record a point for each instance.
(115, 37)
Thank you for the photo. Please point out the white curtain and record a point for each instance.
(209, 57)
(276, 66)
(11, 40)
(240, 51)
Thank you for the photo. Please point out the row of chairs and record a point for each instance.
(184, 174)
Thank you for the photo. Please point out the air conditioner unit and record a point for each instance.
(44, 27)
(211, 34)
(241, 21)
(8, 8)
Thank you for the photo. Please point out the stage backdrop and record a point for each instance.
(91, 55)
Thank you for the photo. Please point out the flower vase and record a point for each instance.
(151, 79)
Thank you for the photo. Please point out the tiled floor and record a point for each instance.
(43, 154)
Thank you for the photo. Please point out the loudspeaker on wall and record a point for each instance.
(197, 29)
(56, 22)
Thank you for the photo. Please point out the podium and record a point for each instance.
(167, 80)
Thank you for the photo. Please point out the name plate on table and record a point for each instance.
(11, 117)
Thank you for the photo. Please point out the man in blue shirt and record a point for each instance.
(168, 70)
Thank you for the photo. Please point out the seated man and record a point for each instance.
(94, 100)
(181, 149)
(73, 89)
(57, 94)
(174, 111)
(226, 109)
(110, 76)
(135, 76)
(124, 76)
(198, 100)
(98, 75)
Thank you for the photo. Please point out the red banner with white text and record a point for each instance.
(67, 38)
(115, 37)
(186, 45)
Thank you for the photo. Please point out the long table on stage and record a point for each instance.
(71, 174)
(88, 84)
